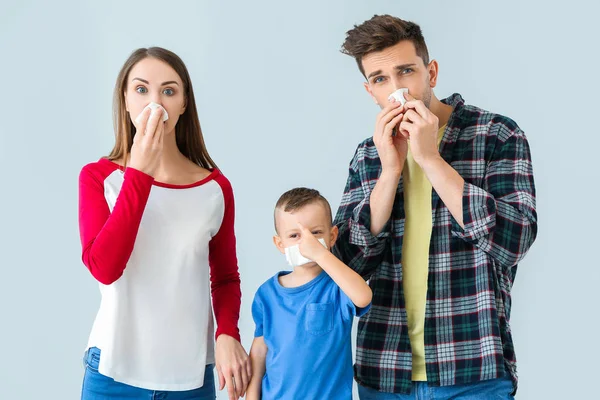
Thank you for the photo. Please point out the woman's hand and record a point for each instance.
(233, 366)
(148, 141)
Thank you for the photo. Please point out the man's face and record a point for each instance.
(397, 67)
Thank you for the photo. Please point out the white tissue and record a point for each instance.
(155, 106)
(399, 95)
(295, 258)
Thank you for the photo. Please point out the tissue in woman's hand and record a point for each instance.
(155, 106)
(399, 95)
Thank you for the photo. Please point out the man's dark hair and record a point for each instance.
(381, 32)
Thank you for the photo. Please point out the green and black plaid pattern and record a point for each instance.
(471, 270)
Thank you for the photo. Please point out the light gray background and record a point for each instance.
(281, 107)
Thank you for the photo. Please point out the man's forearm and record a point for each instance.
(382, 200)
(448, 184)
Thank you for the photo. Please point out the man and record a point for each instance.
(438, 210)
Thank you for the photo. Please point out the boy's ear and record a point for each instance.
(334, 235)
(279, 244)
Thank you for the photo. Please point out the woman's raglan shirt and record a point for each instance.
(151, 246)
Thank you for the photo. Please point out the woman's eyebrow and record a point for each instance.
(147, 83)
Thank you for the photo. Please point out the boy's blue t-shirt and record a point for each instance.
(307, 332)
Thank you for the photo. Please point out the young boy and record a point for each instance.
(301, 348)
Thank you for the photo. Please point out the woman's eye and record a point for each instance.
(141, 89)
(169, 92)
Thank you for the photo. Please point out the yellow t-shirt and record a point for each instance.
(415, 256)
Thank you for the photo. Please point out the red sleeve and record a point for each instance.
(107, 238)
(224, 274)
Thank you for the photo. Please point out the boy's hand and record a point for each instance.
(309, 245)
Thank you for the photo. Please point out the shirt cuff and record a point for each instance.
(360, 224)
(232, 331)
(479, 214)
(360, 311)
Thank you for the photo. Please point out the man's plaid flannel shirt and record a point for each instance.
(471, 270)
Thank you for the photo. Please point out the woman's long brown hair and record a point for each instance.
(188, 133)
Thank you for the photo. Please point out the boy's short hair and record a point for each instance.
(296, 198)
(381, 32)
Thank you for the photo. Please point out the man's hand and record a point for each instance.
(391, 149)
(421, 126)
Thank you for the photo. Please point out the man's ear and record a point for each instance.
(433, 69)
(368, 89)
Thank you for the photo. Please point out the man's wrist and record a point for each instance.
(431, 162)
(390, 174)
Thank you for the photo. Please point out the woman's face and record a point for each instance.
(152, 80)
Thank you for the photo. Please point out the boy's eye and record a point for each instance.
(293, 235)
(141, 89)
(169, 92)
(317, 232)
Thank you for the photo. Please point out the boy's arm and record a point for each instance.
(258, 355)
(349, 281)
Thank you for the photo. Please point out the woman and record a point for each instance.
(156, 220)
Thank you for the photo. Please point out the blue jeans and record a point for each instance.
(99, 387)
(494, 389)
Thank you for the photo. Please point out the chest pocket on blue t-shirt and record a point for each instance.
(319, 318)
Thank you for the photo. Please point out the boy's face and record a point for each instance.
(313, 217)
(397, 67)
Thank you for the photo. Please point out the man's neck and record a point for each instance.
(441, 110)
